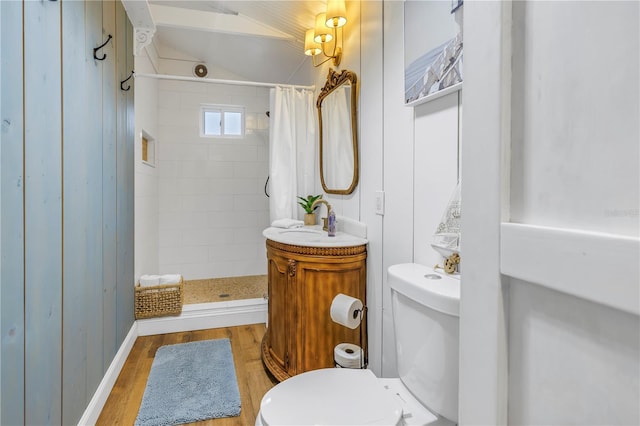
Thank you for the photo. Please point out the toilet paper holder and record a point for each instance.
(350, 312)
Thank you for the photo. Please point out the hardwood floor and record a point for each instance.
(123, 403)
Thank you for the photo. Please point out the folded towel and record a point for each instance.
(287, 223)
(149, 280)
(170, 279)
(153, 280)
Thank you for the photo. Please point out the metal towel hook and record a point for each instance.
(95, 49)
(124, 81)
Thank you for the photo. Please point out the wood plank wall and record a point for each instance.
(12, 217)
(66, 219)
(124, 179)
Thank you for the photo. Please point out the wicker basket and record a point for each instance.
(159, 300)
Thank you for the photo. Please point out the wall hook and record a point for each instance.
(95, 50)
(124, 81)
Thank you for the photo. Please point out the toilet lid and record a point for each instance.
(331, 396)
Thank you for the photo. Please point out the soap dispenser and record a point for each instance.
(331, 225)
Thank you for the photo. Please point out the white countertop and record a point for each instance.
(312, 236)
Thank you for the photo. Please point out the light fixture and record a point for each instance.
(322, 33)
(311, 48)
(336, 14)
(324, 37)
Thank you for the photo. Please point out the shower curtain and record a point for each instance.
(292, 151)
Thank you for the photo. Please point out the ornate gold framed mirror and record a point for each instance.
(338, 136)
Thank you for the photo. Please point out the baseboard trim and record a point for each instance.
(207, 315)
(91, 414)
(194, 317)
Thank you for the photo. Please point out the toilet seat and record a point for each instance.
(331, 396)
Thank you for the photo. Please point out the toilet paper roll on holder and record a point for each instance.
(346, 310)
(357, 314)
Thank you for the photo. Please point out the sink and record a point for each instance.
(312, 236)
(302, 230)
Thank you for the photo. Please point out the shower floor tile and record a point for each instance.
(225, 289)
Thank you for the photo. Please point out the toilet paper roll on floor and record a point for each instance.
(348, 355)
(345, 310)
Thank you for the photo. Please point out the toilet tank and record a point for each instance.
(426, 309)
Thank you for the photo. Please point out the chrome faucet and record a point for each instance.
(325, 226)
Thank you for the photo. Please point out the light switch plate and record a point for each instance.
(380, 202)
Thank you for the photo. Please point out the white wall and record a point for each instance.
(420, 170)
(398, 171)
(571, 361)
(146, 177)
(211, 190)
(483, 358)
(1, 80)
(371, 134)
(576, 130)
(574, 165)
(435, 159)
(542, 128)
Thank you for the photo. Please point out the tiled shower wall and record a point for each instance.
(212, 203)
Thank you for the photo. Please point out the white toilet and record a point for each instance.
(425, 306)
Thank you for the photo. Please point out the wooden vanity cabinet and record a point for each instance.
(303, 281)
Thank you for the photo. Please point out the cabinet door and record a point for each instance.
(280, 307)
(317, 334)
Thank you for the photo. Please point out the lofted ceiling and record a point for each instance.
(253, 40)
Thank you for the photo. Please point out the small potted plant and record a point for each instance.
(309, 208)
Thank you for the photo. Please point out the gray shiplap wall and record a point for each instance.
(66, 177)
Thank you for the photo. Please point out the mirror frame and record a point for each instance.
(335, 80)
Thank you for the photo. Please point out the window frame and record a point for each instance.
(222, 109)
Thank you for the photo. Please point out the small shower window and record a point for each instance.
(222, 121)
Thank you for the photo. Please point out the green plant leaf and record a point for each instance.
(306, 203)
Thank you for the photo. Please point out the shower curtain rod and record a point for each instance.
(220, 81)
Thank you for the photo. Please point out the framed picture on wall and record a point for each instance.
(432, 49)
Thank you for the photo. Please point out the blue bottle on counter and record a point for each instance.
(331, 223)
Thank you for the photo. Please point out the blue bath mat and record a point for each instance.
(190, 382)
